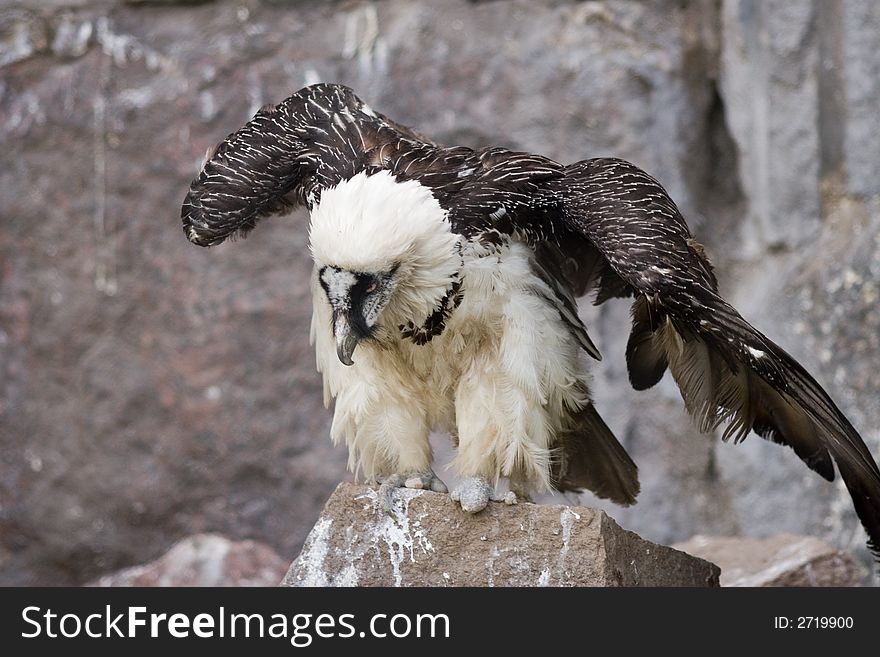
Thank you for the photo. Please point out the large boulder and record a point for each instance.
(430, 541)
(777, 560)
(204, 560)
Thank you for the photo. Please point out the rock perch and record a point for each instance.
(430, 542)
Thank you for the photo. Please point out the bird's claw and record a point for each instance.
(426, 480)
(475, 493)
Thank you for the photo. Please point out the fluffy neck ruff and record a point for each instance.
(373, 224)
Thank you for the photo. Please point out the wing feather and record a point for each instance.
(726, 369)
(285, 156)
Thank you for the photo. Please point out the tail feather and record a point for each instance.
(592, 458)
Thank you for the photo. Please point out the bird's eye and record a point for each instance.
(372, 287)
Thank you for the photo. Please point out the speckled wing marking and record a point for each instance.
(504, 195)
(726, 369)
(285, 156)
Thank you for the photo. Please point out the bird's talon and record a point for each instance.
(474, 494)
(386, 492)
(415, 480)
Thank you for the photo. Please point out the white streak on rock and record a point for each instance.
(490, 565)
(395, 533)
(207, 107)
(311, 76)
(314, 553)
(544, 577)
(566, 520)
(348, 577)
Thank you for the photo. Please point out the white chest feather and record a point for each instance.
(499, 377)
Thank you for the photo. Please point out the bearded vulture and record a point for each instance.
(445, 284)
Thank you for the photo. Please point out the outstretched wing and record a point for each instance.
(285, 156)
(726, 369)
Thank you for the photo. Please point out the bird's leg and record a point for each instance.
(474, 493)
(424, 480)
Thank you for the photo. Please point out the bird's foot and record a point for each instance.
(521, 493)
(426, 480)
(474, 493)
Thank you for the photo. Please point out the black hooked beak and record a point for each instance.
(346, 339)
(356, 299)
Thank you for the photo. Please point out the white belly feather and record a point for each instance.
(501, 378)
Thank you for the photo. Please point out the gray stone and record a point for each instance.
(778, 560)
(770, 85)
(22, 35)
(204, 560)
(430, 541)
(860, 61)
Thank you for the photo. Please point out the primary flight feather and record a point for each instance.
(445, 286)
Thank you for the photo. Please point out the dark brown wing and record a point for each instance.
(727, 370)
(285, 156)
